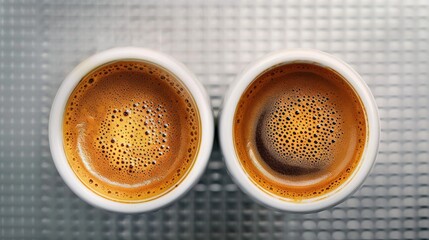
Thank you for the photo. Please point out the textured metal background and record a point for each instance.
(387, 42)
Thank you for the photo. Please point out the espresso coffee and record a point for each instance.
(299, 131)
(131, 131)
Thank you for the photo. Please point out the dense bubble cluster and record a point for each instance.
(131, 131)
(299, 131)
(135, 137)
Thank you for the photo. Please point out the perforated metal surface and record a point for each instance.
(387, 42)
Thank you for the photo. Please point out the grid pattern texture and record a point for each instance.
(387, 42)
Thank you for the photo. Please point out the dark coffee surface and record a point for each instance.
(299, 131)
(131, 131)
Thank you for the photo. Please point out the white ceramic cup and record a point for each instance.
(226, 117)
(56, 132)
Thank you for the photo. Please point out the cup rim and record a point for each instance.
(231, 100)
(196, 89)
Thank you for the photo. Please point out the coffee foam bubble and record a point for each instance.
(133, 140)
(308, 132)
(297, 149)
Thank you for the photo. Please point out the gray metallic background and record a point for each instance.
(387, 42)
